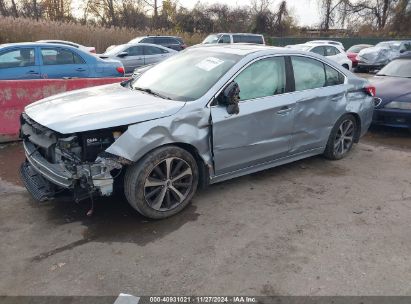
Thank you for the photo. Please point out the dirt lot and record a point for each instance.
(313, 227)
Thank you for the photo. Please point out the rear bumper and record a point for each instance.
(392, 117)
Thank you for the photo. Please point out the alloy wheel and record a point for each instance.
(168, 184)
(344, 137)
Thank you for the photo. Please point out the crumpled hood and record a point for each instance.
(392, 88)
(98, 108)
(377, 55)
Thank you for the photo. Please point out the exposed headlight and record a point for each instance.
(399, 105)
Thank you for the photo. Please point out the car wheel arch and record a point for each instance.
(357, 120)
(203, 168)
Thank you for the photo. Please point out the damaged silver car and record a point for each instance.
(205, 115)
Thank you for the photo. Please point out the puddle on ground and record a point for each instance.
(11, 157)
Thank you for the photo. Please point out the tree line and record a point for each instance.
(260, 16)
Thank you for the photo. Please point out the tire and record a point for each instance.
(338, 147)
(150, 187)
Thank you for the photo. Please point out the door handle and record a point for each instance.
(32, 73)
(80, 70)
(284, 110)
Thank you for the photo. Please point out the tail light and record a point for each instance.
(120, 70)
(370, 90)
(183, 46)
(93, 50)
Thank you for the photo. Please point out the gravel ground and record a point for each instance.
(313, 227)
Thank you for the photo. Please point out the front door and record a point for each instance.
(261, 132)
(19, 63)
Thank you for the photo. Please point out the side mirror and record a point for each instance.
(230, 97)
(402, 51)
(122, 54)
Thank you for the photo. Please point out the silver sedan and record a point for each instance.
(205, 115)
(138, 54)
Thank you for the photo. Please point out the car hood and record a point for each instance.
(392, 88)
(98, 108)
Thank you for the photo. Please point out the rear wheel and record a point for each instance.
(341, 138)
(162, 183)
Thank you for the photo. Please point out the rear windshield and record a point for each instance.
(248, 39)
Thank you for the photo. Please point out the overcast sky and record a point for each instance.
(305, 11)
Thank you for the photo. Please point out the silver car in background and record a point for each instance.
(205, 115)
(134, 55)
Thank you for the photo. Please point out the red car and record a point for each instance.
(353, 51)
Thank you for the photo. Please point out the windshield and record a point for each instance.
(211, 39)
(357, 48)
(397, 68)
(391, 45)
(114, 50)
(188, 75)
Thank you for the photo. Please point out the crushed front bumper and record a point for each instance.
(40, 177)
(54, 173)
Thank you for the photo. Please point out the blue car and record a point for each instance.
(30, 60)
(393, 91)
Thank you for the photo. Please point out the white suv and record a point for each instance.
(234, 38)
(332, 52)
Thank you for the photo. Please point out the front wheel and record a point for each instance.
(341, 138)
(162, 183)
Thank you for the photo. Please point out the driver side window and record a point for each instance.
(265, 77)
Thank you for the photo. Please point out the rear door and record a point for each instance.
(321, 95)
(58, 62)
(154, 54)
(134, 58)
(19, 63)
(261, 132)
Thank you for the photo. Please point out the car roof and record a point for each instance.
(248, 34)
(246, 48)
(34, 44)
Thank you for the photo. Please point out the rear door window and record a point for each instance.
(331, 51)
(57, 56)
(224, 39)
(333, 77)
(152, 50)
(308, 73)
(319, 50)
(17, 58)
(135, 50)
